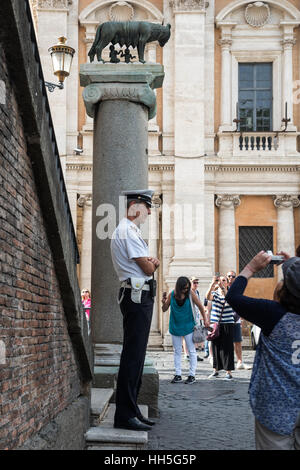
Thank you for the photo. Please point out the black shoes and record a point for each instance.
(147, 421)
(133, 424)
(176, 379)
(190, 380)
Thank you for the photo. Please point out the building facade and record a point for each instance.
(223, 147)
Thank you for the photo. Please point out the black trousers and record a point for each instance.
(222, 347)
(136, 328)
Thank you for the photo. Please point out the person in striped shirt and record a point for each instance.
(222, 347)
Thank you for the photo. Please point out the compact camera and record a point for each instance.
(276, 259)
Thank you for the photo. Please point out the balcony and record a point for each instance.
(257, 144)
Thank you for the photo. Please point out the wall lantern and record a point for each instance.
(61, 56)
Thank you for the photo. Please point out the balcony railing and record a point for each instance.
(255, 141)
(242, 144)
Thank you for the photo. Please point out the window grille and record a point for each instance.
(251, 241)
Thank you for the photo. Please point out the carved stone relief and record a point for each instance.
(257, 14)
(121, 11)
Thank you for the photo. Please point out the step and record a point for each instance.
(106, 377)
(115, 361)
(106, 437)
(100, 398)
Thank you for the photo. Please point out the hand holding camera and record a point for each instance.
(276, 259)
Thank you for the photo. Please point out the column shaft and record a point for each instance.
(121, 99)
(227, 237)
(120, 162)
(86, 244)
(226, 118)
(288, 79)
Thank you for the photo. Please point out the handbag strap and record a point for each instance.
(222, 311)
(192, 306)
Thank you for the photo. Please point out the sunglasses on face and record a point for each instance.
(231, 275)
(195, 282)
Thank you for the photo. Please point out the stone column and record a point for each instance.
(153, 128)
(85, 202)
(189, 34)
(52, 16)
(285, 222)
(226, 117)
(121, 99)
(189, 125)
(288, 42)
(227, 238)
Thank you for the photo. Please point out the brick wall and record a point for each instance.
(40, 377)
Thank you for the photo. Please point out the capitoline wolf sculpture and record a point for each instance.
(128, 33)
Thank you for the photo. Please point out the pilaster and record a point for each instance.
(85, 202)
(285, 204)
(227, 238)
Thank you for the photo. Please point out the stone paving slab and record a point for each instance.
(211, 414)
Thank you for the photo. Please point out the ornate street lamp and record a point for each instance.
(61, 56)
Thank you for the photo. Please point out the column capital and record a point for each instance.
(84, 200)
(134, 82)
(288, 43)
(188, 5)
(228, 201)
(53, 4)
(286, 201)
(225, 43)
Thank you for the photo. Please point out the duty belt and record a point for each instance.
(126, 285)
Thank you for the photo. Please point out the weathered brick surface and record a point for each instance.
(40, 376)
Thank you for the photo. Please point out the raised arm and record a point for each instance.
(212, 287)
(262, 312)
(166, 302)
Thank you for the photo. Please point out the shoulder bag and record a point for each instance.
(199, 333)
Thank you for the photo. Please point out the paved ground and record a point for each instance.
(207, 415)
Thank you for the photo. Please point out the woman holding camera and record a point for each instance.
(221, 311)
(275, 381)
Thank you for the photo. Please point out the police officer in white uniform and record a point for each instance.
(135, 270)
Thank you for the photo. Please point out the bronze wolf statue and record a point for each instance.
(128, 33)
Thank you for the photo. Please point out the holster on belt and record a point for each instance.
(137, 284)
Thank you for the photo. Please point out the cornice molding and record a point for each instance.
(79, 166)
(89, 167)
(251, 169)
(160, 167)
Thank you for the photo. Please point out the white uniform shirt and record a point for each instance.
(127, 243)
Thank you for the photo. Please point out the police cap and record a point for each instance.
(142, 195)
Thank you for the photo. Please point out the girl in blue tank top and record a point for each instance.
(182, 324)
